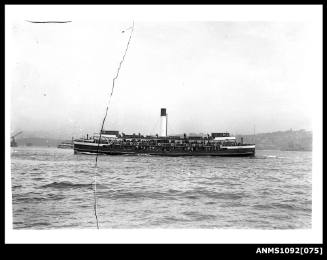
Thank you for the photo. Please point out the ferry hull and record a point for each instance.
(109, 150)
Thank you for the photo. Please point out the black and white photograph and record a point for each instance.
(163, 124)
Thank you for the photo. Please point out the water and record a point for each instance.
(52, 189)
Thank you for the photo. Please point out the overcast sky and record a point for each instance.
(210, 75)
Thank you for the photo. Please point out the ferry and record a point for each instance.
(116, 143)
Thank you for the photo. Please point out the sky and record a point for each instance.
(212, 76)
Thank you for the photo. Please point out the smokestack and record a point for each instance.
(163, 123)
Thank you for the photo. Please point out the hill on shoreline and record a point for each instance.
(298, 140)
(39, 141)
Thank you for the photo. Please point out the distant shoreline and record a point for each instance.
(291, 140)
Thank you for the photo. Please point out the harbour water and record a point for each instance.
(52, 189)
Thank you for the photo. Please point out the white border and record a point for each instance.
(310, 13)
(166, 12)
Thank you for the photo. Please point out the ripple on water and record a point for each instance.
(52, 188)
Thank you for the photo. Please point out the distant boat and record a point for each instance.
(13, 142)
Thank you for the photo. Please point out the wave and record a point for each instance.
(199, 216)
(70, 185)
(290, 207)
(66, 184)
(213, 194)
(81, 171)
(36, 225)
(274, 206)
(41, 224)
(38, 179)
(135, 195)
(210, 203)
(170, 220)
(31, 197)
(262, 206)
(171, 195)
